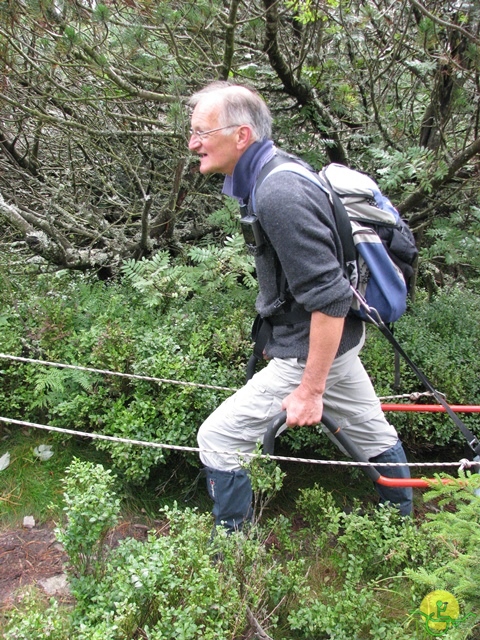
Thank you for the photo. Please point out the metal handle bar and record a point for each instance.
(350, 447)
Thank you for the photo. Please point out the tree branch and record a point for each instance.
(13, 215)
(229, 40)
(261, 634)
(444, 23)
(299, 89)
(460, 160)
(145, 216)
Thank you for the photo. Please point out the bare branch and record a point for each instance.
(229, 40)
(444, 23)
(299, 89)
(457, 163)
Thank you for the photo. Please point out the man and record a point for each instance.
(313, 362)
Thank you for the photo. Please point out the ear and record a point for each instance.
(244, 137)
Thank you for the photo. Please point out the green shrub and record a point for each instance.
(457, 526)
(166, 586)
(202, 337)
(36, 620)
(92, 509)
(441, 336)
(109, 326)
(339, 576)
(170, 586)
(358, 583)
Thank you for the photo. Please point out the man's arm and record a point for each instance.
(304, 406)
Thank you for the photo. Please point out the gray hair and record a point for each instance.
(238, 104)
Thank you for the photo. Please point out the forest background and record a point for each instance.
(118, 255)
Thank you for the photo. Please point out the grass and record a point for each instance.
(29, 486)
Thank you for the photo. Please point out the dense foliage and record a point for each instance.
(95, 178)
(340, 574)
(196, 333)
(108, 328)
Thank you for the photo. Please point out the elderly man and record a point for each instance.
(313, 362)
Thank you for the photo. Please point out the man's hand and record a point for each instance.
(304, 406)
(303, 409)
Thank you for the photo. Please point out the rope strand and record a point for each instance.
(159, 445)
(461, 464)
(115, 373)
(405, 396)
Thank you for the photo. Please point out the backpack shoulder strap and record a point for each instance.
(267, 168)
(342, 221)
(285, 162)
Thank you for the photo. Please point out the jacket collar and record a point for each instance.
(242, 181)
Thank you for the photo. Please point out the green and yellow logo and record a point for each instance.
(440, 612)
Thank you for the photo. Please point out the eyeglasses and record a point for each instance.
(202, 134)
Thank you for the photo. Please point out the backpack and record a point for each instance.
(379, 248)
(379, 255)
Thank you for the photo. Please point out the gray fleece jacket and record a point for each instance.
(298, 221)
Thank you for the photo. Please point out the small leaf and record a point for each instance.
(43, 452)
(4, 461)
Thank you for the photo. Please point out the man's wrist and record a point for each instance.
(309, 388)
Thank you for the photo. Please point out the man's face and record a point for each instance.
(219, 151)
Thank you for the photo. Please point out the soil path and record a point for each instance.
(34, 557)
(28, 556)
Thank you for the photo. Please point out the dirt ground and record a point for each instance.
(28, 556)
(34, 557)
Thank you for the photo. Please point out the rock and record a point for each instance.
(55, 586)
(29, 522)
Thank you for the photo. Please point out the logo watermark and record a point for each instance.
(440, 612)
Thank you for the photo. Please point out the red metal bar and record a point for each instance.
(432, 408)
(411, 482)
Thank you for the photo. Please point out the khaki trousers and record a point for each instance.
(239, 423)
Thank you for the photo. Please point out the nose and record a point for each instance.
(194, 142)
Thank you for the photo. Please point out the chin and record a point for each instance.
(204, 168)
(208, 170)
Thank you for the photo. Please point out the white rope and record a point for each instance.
(462, 464)
(413, 397)
(410, 396)
(114, 373)
(158, 445)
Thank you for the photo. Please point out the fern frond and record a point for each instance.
(55, 385)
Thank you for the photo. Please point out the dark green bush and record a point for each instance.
(442, 337)
(110, 327)
(198, 339)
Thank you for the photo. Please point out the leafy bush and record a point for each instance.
(109, 326)
(453, 246)
(206, 270)
(167, 587)
(457, 526)
(93, 510)
(202, 337)
(339, 575)
(38, 621)
(374, 569)
(442, 338)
